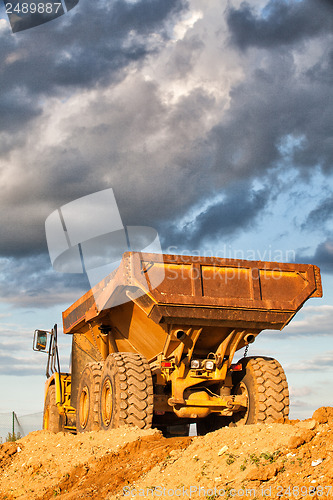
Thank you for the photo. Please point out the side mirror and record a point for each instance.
(40, 340)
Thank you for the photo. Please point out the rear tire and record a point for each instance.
(87, 411)
(52, 419)
(126, 393)
(266, 386)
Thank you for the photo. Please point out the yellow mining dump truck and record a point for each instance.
(159, 351)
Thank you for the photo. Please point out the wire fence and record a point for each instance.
(13, 426)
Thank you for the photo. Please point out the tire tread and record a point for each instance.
(134, 389)
(272, 395)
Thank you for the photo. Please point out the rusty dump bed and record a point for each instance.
(197, 291)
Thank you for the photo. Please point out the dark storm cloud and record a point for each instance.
(319, 216)
(88, 47)
(33, 283)
(275, 107)
(279, 23)
(322, 71)
(108, 150)
(15, 109)
(280, 117)
(237, 210)
(322, 257)
(163, 157)
(319, 220)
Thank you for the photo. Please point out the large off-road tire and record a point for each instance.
(52, 419)
(126, 394)
(87, 410)
(266, 386)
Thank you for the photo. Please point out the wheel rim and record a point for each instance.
(46, 419)
(84, 407)
(240, 417)
(106, 402)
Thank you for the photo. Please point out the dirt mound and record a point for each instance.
(283, 460)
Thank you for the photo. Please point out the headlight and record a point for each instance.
(195, 364)
(209, 365)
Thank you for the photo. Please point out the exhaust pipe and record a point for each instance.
(180, 334)
(249, 338)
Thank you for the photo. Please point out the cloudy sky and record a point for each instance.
(212, 122)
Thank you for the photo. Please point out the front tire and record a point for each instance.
(87, 411)
(126, 394)
(52, 419)
(265, 384)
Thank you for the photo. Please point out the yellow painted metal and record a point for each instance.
(84, 407)
(201, 290)
(183, 377)
(200, 404)
(46, 418)
(204, 308)
(106, 402)
(64, 406)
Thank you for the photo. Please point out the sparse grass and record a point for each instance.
(254, 459)
(231, 458)
(270, 457)
(203, 473)
(13, 436)
(244, 464)
(227, 491)
(151, 488)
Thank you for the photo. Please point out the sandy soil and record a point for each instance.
(283, 460)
